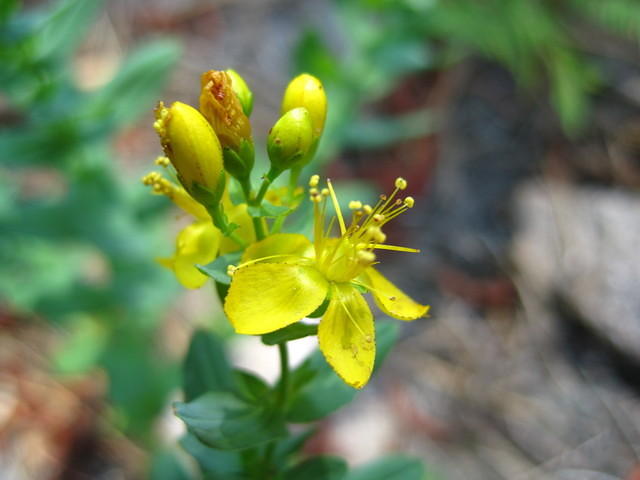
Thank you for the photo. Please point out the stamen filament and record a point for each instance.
(394, 248)
(336, 206)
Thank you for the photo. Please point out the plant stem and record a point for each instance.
(283, 385)
(220, 221)
(245, 184)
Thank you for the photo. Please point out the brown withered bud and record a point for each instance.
(222, 108)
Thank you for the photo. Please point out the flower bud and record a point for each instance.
(222, 108)
(307, 91)
(191, 145)
(290, 139)
(242, 91)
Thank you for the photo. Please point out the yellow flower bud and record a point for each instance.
(290, 139)
(222, 108)
(307, 91)
(191, 145)
(242, 90)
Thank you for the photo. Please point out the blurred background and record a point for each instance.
(517, 125)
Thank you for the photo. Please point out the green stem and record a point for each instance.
(281, 400)
(258, 226)
(220, 221)
(266, 182)
(245, 183)
(283, 385)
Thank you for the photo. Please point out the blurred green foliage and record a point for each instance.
(78, 250)
(543, 43)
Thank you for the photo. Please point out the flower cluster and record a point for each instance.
(281, 278)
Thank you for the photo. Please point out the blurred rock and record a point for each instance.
(581, 244)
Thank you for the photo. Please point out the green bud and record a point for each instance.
(242, 91)
(193, 149)
(290, 139)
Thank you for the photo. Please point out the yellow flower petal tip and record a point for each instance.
(347, 337)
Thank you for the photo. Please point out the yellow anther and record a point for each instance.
(315, 198)
(231, 269)
(409, 202)
(401, 183)
(380, 237)
(367, 209)
(325, 192)
(313, 191)
(355, 205)
(378, 217)
(365, 257)
(162, 161)
(314, 180)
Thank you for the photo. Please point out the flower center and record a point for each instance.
(343, 258)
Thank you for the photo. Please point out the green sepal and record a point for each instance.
(209, 198)
(218, 268)
(291, 332)
(239, 163)
(318, 312)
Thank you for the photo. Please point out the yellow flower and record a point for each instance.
(201, 242)
(285, 277)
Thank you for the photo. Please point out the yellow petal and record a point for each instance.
(196, 244)
(391, 300)
(265, 297)
(293, 244)
(238, 214)
(347, 336)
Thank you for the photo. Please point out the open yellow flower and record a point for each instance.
(285, 277)
(200, 242)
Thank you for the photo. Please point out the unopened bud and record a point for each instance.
(191, 145)
(307, 91)
(242, 91)
(290, 139)
(222, 107)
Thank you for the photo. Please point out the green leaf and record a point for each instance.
(251, 387)
(222, 464)
(65, 26)
(206, 367)
(7, 7)
(290, 445)
(317, 389)
(291, 332)
(396, 467)
(166, 466)
(382, 131)
(135, 87)
(225, 421)
(218, 268)
(318, 468)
